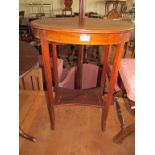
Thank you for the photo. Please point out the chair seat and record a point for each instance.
(127, 73)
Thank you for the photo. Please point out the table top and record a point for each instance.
(89, 25)
(28, 58)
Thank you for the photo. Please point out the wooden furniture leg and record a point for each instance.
(119, 114)
(117, 59)
(124, 133)
(125, 49)
(48, 77)
(26, 136)
(105, 67)
(55, 67)
(78, 83)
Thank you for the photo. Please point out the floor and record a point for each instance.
(77, 130)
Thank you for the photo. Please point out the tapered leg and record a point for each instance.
(48, 76)
(78, 83)
(117, 58)
(105, 67)
(55, 66)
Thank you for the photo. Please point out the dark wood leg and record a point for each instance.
(117, 59)
(105, 67)
(124, 133)
(98, 54)
(48, 77)
(125, 49)
(86, 48)
(26, 136)
(78, 84)
(55, 67)
(103, 78)
(119, 113)
(71, 54)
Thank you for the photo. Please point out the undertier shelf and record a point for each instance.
(90, 97)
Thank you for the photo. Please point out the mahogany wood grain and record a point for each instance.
(105, 67)
(78, 83)
(55, 66)
(48, 76)
(89, 97)
(91, 32)
(117, 59)
(96, 26)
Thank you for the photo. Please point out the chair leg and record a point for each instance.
(26, 136)
(124, 133)
(119, 113)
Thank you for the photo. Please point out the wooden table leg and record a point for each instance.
(55, 66)
(78, 84)
(48, 76)
(117, 59)
(105, 67)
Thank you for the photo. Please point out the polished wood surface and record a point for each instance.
(91, 25)
(77, 129)
(69, 31)
(89, 97)
(84, 32)
(48, 77)
(28, 58)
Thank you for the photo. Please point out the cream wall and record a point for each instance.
(91, 5)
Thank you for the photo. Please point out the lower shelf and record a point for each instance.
(90, 97)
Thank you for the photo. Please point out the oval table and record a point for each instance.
(81, 31)
(28, 58)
